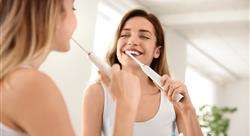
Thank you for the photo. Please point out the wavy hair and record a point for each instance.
(27, 29)
(160, 64)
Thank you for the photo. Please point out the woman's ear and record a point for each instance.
(157, 52)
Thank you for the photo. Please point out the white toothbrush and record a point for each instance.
(98, 62)
(152, 75)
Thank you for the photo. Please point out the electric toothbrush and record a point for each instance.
(98, 62)
(152, 75)
(107, 69)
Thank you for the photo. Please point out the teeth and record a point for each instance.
(133, 52)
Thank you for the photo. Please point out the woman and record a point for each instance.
(31, 103)
(141, 34)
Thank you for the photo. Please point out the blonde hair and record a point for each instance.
(160, 65)
(27, 30)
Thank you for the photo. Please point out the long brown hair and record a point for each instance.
(27, 29)
(160, 64)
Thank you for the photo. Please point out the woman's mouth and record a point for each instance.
(133, 52)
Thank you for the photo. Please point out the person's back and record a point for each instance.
(31, 104)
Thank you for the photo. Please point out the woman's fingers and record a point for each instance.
(176, 91)
(115, 71)
(123, 86)
(165, 81)
(170, 90)
(175, 88)
(116, 85)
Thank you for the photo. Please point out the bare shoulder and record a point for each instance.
(35, 97)
(93, 105)
(30, 82)
(30, 86)
(94, 93)
(94, 89)
(94, 96)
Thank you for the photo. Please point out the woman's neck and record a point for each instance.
(37, 62)
(34, 65)
(147, 86)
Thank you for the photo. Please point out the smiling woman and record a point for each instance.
(146, 29)
(156, 112)
(134, 34)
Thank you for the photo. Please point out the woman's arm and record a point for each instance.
(124, 120)
(38, 107)
(125, 90)
(93, 104)
(179, 122)
(189, 122)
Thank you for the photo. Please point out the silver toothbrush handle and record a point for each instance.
(100, 64)
(157, 80)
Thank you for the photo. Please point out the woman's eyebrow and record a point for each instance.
(145, 31)
(126, 29)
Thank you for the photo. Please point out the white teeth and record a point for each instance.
(133, 52)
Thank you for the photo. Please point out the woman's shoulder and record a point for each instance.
(35, 97)
(28, 87)
(29, 79)
(94, 91)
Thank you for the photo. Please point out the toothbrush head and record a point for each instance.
(131, 56)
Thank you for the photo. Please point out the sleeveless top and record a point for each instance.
(162, 124)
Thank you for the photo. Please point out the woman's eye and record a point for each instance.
(145, 37)
(124, 35)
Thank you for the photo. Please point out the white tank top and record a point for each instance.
(159, 125)
(6, 131)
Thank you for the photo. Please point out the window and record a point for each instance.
(106, 24)
(201, 89)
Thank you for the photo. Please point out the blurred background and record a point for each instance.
(207, 46)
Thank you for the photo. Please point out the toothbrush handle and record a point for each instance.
(100, 64)
(157, 79)
(178, 96)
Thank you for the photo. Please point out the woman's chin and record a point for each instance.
(62, 49)
(130, 64)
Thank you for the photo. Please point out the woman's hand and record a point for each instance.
(124, 87)
(172, 88)
(126, 92)
(185, 113)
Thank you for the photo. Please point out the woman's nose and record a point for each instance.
(130, 42)
(133, 41)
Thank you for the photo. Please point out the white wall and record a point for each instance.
(176, 54)
(236, 95)
(71, 70)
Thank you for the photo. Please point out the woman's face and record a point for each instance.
(65, 27)
(138, 37)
